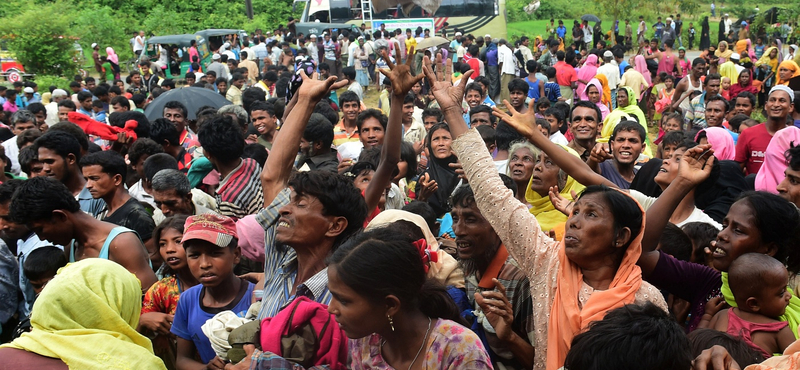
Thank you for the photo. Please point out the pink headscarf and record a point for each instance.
(112, 56)
(640, 64)
(588, 71)
(771, 173)
(721, 141)
(584, 95)
(750, 51)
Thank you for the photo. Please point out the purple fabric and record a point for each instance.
(692, 282)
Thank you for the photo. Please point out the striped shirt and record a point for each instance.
(340, 135)
(519, 295)
(280, 266)
(240, 194)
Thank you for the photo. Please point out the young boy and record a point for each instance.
(551, 89)
(212, 250)
(555, 117)
(99, 114)
(39, 268)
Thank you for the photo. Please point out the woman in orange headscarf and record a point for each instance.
(787, 70)
(606, 98)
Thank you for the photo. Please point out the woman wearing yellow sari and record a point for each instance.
(723, 52)
(546, 175)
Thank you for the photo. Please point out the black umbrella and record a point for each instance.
(590, 18)
(192, 97)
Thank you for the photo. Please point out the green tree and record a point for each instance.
(616, 9)
(40, 39)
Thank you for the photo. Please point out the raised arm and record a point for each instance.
(516, 226)
(695, 167)
(402, 82)
(278, 167)
(525, 124)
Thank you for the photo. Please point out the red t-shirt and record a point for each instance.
(751, 146)
(565, 74)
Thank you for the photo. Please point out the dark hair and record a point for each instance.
(556, 113)
(701, 234)
(324, 108)
(319, 129)
(586, 104)
(676, 243)
(543, 123)
(110, 161)
(27, 156)
(703, 339)
(793, 157)
(625, 210)
(60, 142)
(174, 104)
(338, 195)
(777, 220)
(673, 138)
(474, 86)
(143, 147)
(121, 100)
(221, 138)
(719, 98)
(631, 126)
(43, 262)
(409, 155)
(483, 109)
(8, 188)
(631, 337)
(433, 112)
(371, 113)
(384, 262)
(36, 108)
(531, 66)
(505, 135)
(251, 96)
(158, 162)
(550, 72)
(424, 210)
(518, 84)
(142, 129)
(28, 136)
(748, 95)
(163, 130)
(348, 97)
(83, 95)
(257, 152)
(38, 197)
(712, 77)
(349, 73)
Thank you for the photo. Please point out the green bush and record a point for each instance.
(45, 81)
(43, 47)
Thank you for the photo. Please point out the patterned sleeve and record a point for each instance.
(153, 298)
(455, 347)
(511, 220)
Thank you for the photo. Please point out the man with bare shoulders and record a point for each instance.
(688, 84)
(50, 210)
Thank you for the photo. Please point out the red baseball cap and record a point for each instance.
(213, 228)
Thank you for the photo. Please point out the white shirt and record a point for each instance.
(12, 152)
(611, 71)
(138, 43)
(506, 57)
(351, 50)
(52, 113)
(558, 138)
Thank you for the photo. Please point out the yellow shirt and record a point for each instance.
(411, 42)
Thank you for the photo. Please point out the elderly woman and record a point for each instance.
(723, 52)
(85, 318)
(522, 159)
(576, 281)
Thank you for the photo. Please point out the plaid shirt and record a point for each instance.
(518, 293)
(280, 266)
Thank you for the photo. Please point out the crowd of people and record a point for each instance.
(629, 210)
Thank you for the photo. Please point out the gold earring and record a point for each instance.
(391, 322)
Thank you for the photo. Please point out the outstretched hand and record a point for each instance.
(498, 310)
(448, 96)
(696, 164)
(560, 203)
(400, 74)
(314, 89)
(524, 123)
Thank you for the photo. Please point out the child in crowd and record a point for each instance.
(701, 234)
(670, 122)
(758, 283)
(551, 89)
(39, 268)
(161, 300)
(725, 88)
(542, 106)
(97, 110)
(212, 250)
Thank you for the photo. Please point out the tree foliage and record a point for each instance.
(41, 40)
(111, 23)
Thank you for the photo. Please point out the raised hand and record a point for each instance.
(498, 311)
(428, 186)
(560, 203)
(525, 123)
(715, 358)
(696, 164)
(600, 153)
(400, 74)
(448, 96)
(314, 89)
